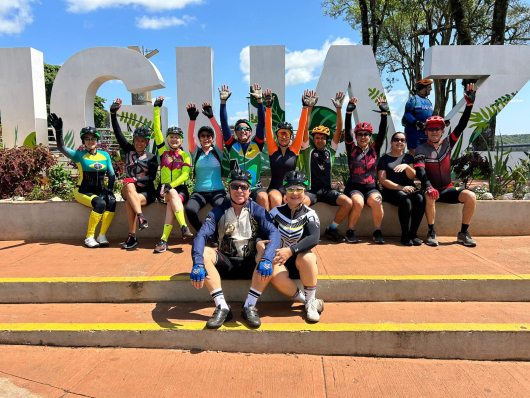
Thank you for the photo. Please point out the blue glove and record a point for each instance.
(198, 273)
(265, 268)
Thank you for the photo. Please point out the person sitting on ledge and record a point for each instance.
(433, 167)
(299, 228)
(317, 161)
(92, 165)
(140, 171)
(362, 158)
(396, 174)
(175, 167)
(239, 223)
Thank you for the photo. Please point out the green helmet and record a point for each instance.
(89, 130)
(295, 177)
(240, 175)
(175, 130)
(142, 132)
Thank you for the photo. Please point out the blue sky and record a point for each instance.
(60, 28)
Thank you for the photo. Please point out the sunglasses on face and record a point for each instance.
(403, 140)
(283, 134)
(236, 187)
(205, 136)
(243, 128)
(363, 134)
(295, 190)
(435, 129)
(91, 139)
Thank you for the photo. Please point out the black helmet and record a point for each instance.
(295, 177)
(285, 126)
(142, 132)
(244, 121)
(240, 175)
(206, 129)
(89, 130)
(175, 130)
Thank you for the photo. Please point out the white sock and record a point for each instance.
(252, 298)
(299, 296)
(219, 298)
(310, 292)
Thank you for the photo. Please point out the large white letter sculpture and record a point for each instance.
(352, 69)
(502, 70)
(22, 97)
(84, 72)
(194, 84)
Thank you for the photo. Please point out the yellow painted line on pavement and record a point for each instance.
(186, 278)
(272, 327)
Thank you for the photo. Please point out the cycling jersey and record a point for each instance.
(283, 163)
(417, 108)
(142, 166)
(174, 164)
(436, 163)
(92, 167)
(245, 156)
(363, 163)
(317, 165)
(237, 235)
(299, 231)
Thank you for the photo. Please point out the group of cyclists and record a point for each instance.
(268, 235)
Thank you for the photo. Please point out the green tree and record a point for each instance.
(101, 115)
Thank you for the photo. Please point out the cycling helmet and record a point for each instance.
(240, 175)
(284, 126)
(175, 130)
(89, 130)
(295, 177)
(206, 129)
(142, 132)
(364, 127)
(320, 130)
(435, 120)
(423, 83)
(243, 121)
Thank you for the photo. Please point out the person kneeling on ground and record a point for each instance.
(89, 191)
(433, 167)
(300, 231)
(239, 223)
(317, 160)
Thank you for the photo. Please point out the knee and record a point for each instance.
(98, 205)
(469, 196)
(209, 255)
(262, 196)
(375, 201)
(357, 202)
(111, 205)
(406, 204)
(172, 194)
(344, 201)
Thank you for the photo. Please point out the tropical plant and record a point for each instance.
(471, 166)
(520, 175)
(133, 121)
(499, 179)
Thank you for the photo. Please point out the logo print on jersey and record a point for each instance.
(97, 166)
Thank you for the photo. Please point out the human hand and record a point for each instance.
(352, 104)
(282, 255)
(400, 167)
(260, 247)
(264, 270)
(158, 102)
(433, 193)
(309, 98)
(192, 111)
(224, 93)
(165, 188)
(383, 105)
(470, 94)
(56, 122)
(338, 101)
(408, 189)
(116, 105)
(268, 98)
(207, 110)
(255, 91)
(197, 275)
(419, 125)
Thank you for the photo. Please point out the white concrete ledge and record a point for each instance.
(68, 220)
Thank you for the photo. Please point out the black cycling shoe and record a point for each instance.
(250, 314)
(219, 317)
(378, 237)
(465, 239)
(186, 233)
(142, 223)
(350, 236)
(432, 240)
(415, 240)
(130, 243)
(405, 239)
(333, 234)
(161, 246)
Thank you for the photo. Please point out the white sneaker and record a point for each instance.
(102, 240)
(91, 242)
(311, 308)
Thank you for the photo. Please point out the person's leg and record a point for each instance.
(357, 200)
(418, 209)
(174, 201)
(306, 263)
(259, 195)
(430, 213)
(106, 220)
(275, 199)
(222, 312)
(375, 201)
(196, 202)
(470, 202)
(345, 205)
(131, 195)
(285, 285)
(131, 217)
(98, 205)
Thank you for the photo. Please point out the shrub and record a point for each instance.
(21, 168)
(471, 166)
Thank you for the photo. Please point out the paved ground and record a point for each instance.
(93, 372)
(492, 256)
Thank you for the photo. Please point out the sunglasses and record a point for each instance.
(243, 128)
(283, 134)
(435, 129)
(363, 135)
(403, 140)
(236, 187)
(206, 136)
(90, 139)
(295, 190)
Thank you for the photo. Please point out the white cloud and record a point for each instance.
(15, 15)
(88, 24)
(244, 63)
(239, 115)
(82, 6)
(115, 81)
(302, 66)
(163, 22)
(517, 100)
